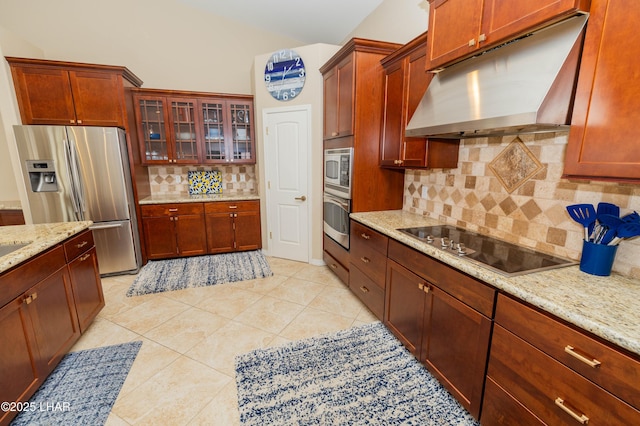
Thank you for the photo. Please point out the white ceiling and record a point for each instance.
(309, 21)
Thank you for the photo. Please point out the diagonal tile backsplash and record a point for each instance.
(533, 213)
(174, 179)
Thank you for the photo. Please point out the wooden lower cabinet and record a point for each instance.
(174, 230)
(37, 327)
(441, 328)
(233, 226)
(82, 262)
(556, 373)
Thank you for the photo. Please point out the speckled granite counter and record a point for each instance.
(608, 307)
(186, 198)
(39, 238)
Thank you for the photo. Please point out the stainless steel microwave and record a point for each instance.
(338, 164)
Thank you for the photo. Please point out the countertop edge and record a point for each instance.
(571, 302)
(196, 198)
(40, 237)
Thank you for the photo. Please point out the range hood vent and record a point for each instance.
(525, 86)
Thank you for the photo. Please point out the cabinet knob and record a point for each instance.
(365, 259)
(72, 121)
(334, 133)
(333, 266)
(364, 289)
(365, 236)
(79, 121)
(481, 38)
(472, 42)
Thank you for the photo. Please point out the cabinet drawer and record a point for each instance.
(550, 390)
(367, 291)
(370, 262)
(336, 267)
(616, 372)
(78, 245)
(468, 290)
(500, 408)
(151, 210)
(362, 236)
(27, 274)
(222, 207)
(336, 251)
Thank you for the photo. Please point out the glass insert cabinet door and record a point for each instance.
(241, 132)
(228, 130)
(183, 120)
(152, 129)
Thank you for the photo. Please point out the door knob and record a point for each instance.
(303, 198)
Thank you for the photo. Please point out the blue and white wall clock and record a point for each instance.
(284, 75)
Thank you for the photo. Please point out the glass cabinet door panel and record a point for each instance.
(153, 129)
(241, 132)
(184, 128)
(213, 122)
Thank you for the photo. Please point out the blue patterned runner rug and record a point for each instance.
(199, 271)
(359, 376)
(82, 388)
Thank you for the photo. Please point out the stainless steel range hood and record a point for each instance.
(525, 86)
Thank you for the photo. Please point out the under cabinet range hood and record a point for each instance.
(525, 86)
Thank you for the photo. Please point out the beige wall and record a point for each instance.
(314, 56)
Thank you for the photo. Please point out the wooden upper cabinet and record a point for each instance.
(67, 93)
(603, 136)
(462, 28)
(338, 99)
(194, 127)
(405, 83)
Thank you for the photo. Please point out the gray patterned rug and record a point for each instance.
(82, 388)
(360, 376)
(199, 271)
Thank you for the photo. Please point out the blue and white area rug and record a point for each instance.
(199, 271)
(360, 376)
(82, 388)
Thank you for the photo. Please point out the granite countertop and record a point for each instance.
(199, 198)
(608, 307)
(37, 237)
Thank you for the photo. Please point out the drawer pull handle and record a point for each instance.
(333, 266)
(582, 418)
(233, 207)
(173, 210)
(590, 362)
(364, 259)
(82, 244)
(85, 257)
(364, 289)
(365, 236)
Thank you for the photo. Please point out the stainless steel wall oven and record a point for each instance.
(336, 218)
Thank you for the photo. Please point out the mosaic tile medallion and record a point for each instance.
(515, 165)
(205, 182)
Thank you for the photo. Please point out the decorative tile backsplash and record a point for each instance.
(534, 213)
(174, 179)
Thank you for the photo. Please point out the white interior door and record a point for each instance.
(287, 135)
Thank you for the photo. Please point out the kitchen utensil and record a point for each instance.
(611, 223)
(625, 230)
(608, 208)
(631, 218)
(584, 214)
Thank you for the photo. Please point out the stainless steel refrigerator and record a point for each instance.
(82, 173)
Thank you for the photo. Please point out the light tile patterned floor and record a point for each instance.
(184, 372)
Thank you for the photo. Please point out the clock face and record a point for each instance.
(284, 75)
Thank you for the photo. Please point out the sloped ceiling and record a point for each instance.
(310, 21)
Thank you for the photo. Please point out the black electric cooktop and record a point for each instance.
(502, 257)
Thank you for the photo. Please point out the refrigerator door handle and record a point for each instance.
(106, 226)
(77, 175)
(72, 181)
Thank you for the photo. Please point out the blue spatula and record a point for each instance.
(584, 214)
